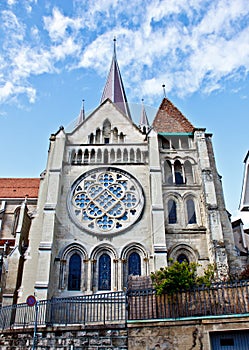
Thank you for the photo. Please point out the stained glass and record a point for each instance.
(104, 201)
(104, 272)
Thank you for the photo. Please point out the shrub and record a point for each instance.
(180, 276)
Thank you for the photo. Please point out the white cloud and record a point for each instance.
(188, 45)
(57, 24)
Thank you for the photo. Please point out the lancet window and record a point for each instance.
(104, 273)
(74, 275)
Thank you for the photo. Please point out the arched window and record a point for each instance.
(138, 155)
(86, 156)
(97, 139)
(178, 173)
(119, 155)
(165, 143)
(181, 258)
(91, 138)
(74, 157)
(112, 156)
(115, 135)
(188, 173)
(172, 214)
(106, 131)
(125, 155)
(92, 156)
(132, 155)
(104, 272)
(168, 172)
(99, 156)
(191, 211)
(121, 138)
(79, 157)
(134, 264)
(74, 275)
(106, 156)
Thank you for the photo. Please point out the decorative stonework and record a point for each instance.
(105, 200)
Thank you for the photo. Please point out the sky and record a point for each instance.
(54, 54)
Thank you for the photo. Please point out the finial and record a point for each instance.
(164, 91)
(83, 109)
(114, 46)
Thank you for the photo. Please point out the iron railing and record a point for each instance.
(89, 309)
(118, 307)
(218, 299)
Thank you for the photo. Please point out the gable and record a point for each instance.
(106, 117)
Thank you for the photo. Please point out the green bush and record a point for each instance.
(180, 276)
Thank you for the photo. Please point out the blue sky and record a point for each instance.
(54, 53)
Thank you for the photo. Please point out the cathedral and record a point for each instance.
(116, 199)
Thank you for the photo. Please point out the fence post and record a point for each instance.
(35, 325)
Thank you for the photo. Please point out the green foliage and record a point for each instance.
(180, 276)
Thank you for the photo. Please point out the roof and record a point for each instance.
(114, 88)
(170, 120)
(19, 187)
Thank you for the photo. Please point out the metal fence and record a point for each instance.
(117, 307)
(219, 299)
(90, 309)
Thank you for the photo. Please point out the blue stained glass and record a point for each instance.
(74, 276)
(104, 272)
(134, 264)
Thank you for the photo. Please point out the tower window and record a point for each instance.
(172, 214)
(134, 264)
(191, 211)
(181, 258)
(74, 276)
(104, 272)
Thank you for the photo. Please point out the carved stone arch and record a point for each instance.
(65, 256)
(103, 247)
(183, 249)
(104, 268)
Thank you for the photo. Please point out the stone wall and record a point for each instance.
(67, 338)
(181, 334)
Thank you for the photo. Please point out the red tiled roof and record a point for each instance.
(170, 119)
(19, 188)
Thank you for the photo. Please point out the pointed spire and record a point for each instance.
(114, 88)
(144, 122)
(81, 116)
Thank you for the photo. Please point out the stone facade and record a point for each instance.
(117, 199)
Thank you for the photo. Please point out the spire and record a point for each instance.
(81, 116)
(114, 88)
(144, 123)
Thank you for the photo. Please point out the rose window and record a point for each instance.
(106, 201)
